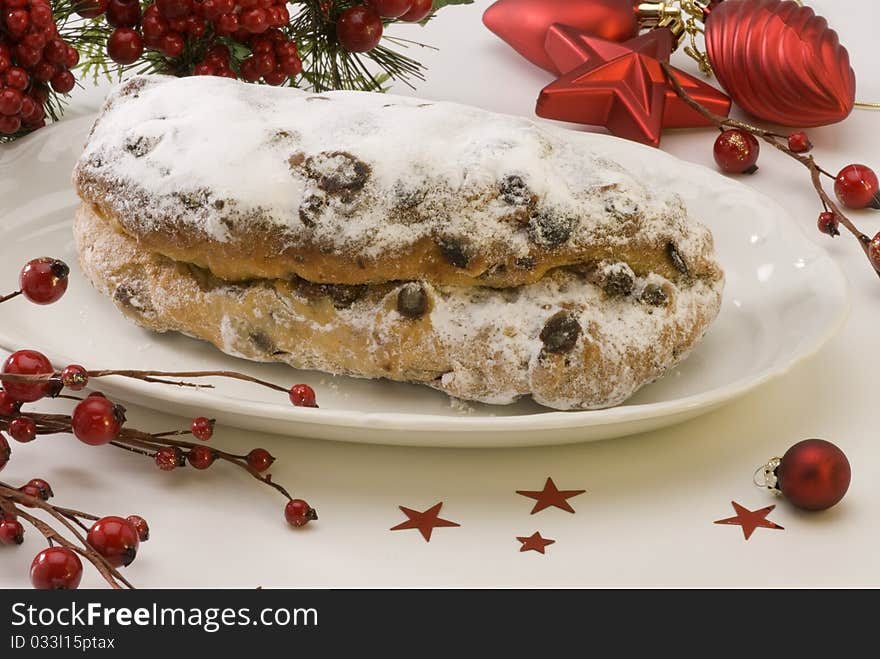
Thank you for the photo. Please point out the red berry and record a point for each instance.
(90, 8)
(27, 362)
(63, 82)
(5, 61)
(17, 78)
(17, 21)
(124, 13)
(74, 377)
(125, 46)
(302, 395)
(9, 125)
(155, 27)
(35, 40)
(32, 491)
(857, 187)
(200, 457)
(55, 52)
(8, 405)
(42, 487)
(23, 429)
(219, 53)
(5, 451)
(97, 421)
(828, 223)
(274, 77)
(71, 57)
(195, 27)
(202, 428)
(140, 525)
(11, 532)
(390, 8)
(116, 539)
(44, 280)
(299, 513)
(874, 252)
(210, 10)
(203, 69)
(41, 16)
(265, 63)
(28, 108)
(27, 57)
(799, 142)
(290, 65)
(174, 8)
(736, 152)
(43, 71)
(227, 23)
(56, 568)
(10, 101)
(249, 70)
(359, 29)
(419, 11)
(254, 21)
(172, 45)
(168, 458)
(260, 459)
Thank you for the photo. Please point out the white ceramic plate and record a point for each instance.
(784, 299)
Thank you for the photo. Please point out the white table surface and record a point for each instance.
(646, 519)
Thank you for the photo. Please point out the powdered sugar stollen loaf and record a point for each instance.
(380, 236)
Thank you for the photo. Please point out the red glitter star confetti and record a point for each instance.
(621, 86)
(749, 520)
(551, 496)
(425, 521)
(534, 542)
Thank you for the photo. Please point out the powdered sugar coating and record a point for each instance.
(216, 155)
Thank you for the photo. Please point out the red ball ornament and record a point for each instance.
(857, 187)
(813, 474)
(116, 539)
(780, 62)
(523, 24)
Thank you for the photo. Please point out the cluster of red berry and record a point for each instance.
(359, 28)
(32, 57)
(194, 28)
(855, 186)
(116, 539)
(98, 421)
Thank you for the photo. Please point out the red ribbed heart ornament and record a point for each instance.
(780, 62)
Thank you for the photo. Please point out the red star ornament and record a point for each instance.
(621, 86)
(534, 542)
(425, 522)
(749, 520)
(551, 496)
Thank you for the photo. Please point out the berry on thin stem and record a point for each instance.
(168, 458)
(260, 459)
(202, 428)
(736, 151)
(22, 429)
(5, 451)
(27, 362)
(873, 253)
(42, 487)
(302, 395)
(299, 513)
(56, 568)
(11, 532)
(799, 142)
(140, 525)
(200, 457)
(856, 187)
(75, 377)
(116, 539)
(829, 224)
(44, 280)
(359, 29)
(97, 421)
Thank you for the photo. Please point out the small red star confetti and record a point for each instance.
(534, 542)
(550, 496)
(749, 520)
(425, 522)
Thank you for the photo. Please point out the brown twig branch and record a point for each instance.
(779, 142)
